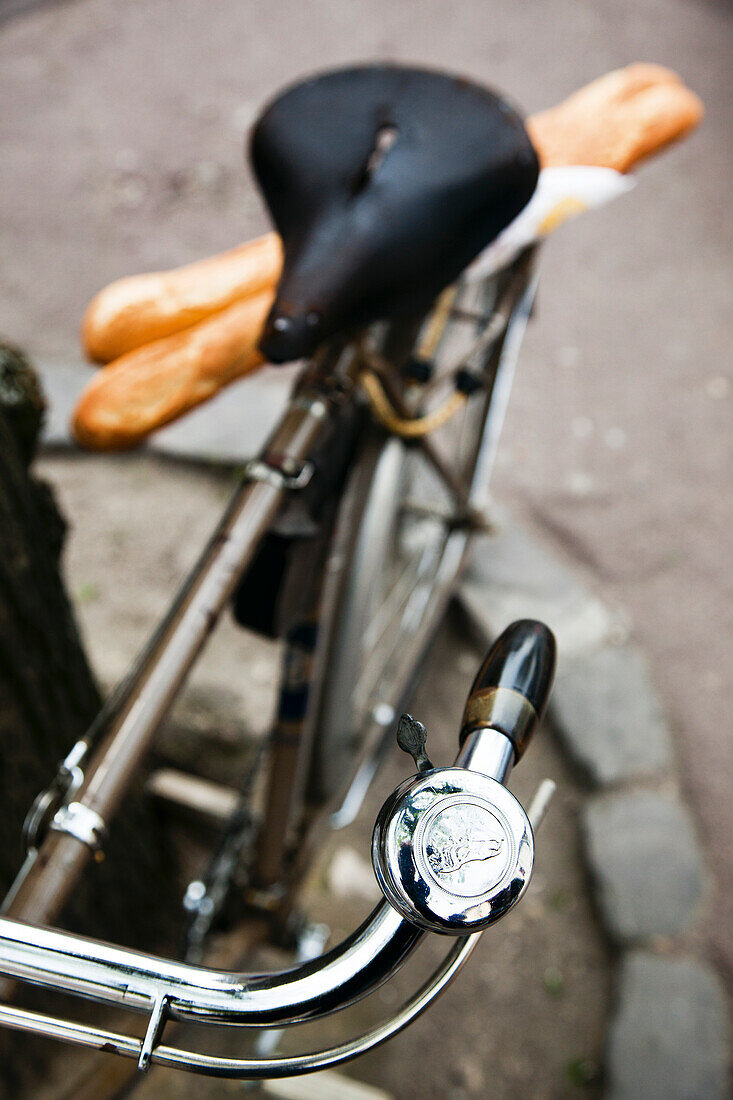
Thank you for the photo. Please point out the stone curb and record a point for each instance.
(668, 1037)
(669, 1032)
(600, 724)
(641, 849)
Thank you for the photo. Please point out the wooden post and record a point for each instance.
(48, 697)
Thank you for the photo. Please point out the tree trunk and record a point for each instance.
(48, 698)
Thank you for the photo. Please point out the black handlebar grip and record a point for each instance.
(513, 685)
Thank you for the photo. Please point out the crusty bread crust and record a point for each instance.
(134, 311)
(157, 383)
(616, 121)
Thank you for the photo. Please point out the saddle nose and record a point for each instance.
(286, 336)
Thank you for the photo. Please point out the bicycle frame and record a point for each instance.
(96, 781)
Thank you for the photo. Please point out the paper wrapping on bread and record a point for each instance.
(177, 337)
(561, 194)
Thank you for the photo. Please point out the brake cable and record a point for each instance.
(375, 367)
(406, 427)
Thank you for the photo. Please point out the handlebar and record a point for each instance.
(453, 851)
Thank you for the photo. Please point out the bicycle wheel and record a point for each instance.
(401, 538)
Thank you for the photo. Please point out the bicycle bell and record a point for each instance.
(452, 848)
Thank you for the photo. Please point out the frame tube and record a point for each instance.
(61, 858)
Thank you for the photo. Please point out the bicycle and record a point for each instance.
(365, 498)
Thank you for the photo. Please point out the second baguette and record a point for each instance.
(617, 120)
(136, 310)
(159, 382)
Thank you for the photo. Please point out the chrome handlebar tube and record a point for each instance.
(148, 1051)
(171, 990)
(434, 831)
(115, 975)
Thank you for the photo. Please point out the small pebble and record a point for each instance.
(466, 664)
(567, 357)
(582, 427)
(208, 110)
(130, 194)
(126, 160)
(243, 116)
(615, 438)
(580, 484)
(388, 995)
(351, 876)
(208, 173)
(718, 387)
(553, 981)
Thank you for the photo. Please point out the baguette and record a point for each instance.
(617, 120)
(141, 308)
(157, 383)
(204, 320)
(614, 122)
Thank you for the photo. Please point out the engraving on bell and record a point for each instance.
(462, 850)
(465, 847)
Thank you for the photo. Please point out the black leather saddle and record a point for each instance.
(384, 182)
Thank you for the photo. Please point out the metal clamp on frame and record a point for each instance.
(61, 790)
(279, 471)
(81, 822)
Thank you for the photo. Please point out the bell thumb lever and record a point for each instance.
(412, 738)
